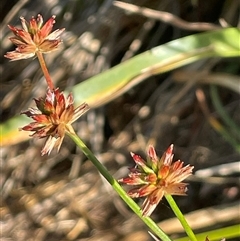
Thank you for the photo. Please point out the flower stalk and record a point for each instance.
(129, 201)
(180, 217)
(45, 70)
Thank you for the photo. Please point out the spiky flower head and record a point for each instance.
(156, 177)
(53, 118)
(34, 37)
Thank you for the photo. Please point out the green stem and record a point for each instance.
(180, 217)
(45, 70)
(222, 111)
(148, 221)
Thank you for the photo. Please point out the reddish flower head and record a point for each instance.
(53, 118)
(156, 178)
(34, 37)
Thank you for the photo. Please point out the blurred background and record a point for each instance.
(62, 197)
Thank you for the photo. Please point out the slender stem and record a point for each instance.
(181, 217)
(45, 70)
(148, 221)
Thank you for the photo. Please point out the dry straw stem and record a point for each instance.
(166, 17)
(229, 81)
